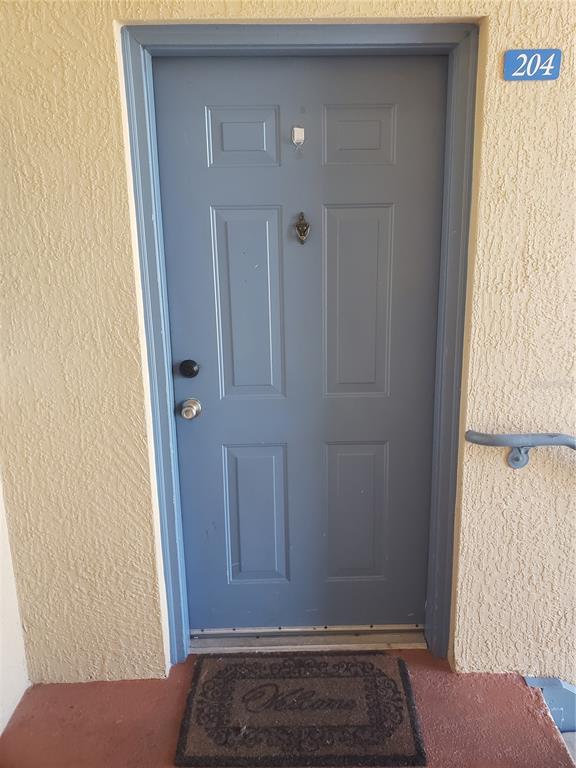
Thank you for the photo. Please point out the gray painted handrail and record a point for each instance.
(520, 444)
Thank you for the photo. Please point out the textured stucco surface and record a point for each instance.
(75, 453)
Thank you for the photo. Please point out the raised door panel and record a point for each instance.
(256, 512)
(357, 482)
(242, 136)
(355, 133)
(248, 279)
(358, 260)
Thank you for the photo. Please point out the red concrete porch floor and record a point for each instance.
(468, 721)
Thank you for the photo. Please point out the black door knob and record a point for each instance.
(189, 368)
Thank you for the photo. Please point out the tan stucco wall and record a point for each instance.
(80, 507)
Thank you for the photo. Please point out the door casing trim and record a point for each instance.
(140, 43)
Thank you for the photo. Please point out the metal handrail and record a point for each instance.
(520, 444)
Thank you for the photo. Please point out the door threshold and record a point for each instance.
(338, 641)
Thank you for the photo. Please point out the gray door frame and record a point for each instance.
(459, 42)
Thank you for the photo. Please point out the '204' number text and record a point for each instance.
(536, 64)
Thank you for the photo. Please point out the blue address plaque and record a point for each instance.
(532, 64)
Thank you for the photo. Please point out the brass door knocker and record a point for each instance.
(302, 228)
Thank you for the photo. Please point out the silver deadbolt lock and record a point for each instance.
(190, 409)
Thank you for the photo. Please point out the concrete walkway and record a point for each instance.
(468, 721)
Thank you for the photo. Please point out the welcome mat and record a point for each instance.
(300, 710)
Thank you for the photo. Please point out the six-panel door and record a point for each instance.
(305, 482)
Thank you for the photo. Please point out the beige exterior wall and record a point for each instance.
(79, 498)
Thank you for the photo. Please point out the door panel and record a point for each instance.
(255, 498)
(356, 134)
(305, 483)
(357, 480)
(248, 273)
(242, 136)
(357, 303)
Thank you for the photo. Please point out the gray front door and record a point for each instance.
(305, 480)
